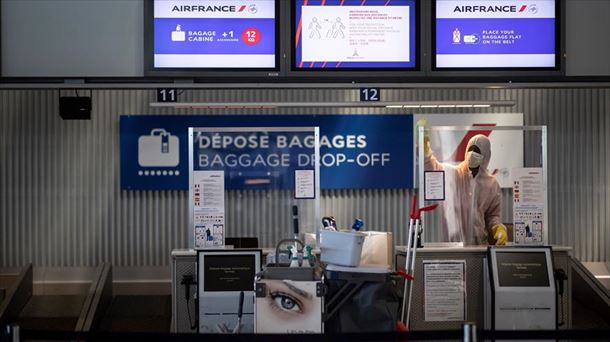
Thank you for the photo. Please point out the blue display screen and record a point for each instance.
(214, 34)
(495, 34)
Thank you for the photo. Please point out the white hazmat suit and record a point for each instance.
(472, 206)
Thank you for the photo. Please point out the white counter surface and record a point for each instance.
(469, 249)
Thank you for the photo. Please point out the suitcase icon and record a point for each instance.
(160, 148)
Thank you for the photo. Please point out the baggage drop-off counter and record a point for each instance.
(469, 264)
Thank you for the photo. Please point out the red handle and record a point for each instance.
(428, 208)
(416, 213)
(414, 207)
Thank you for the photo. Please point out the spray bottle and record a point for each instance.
(306, 257)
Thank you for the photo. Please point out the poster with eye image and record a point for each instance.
(288, 307)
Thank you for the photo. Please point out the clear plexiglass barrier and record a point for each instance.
(253, 182)
(486, 179)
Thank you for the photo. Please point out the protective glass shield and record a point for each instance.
(488, 181)
(243, 178)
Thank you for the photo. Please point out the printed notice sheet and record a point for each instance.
(209, 208)
(304, 184)
(434, 185)
(528, 206)
(445, 290)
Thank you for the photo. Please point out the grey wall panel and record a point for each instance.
(587, 39)
(68, 38)
(61, 203)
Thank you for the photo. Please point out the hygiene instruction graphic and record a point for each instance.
(495, 34)
(214, 34)
(355, 34)
(356, 151)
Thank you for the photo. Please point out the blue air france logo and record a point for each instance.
(215, 9)
(495, 9)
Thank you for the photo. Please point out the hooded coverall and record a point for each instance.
(472, 205)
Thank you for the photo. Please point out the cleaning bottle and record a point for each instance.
(306, 257)
(358, 224)
(294, 259)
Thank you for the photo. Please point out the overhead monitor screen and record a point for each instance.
(346, 34)
(525, 269)
(214, 34)
(229, 272)
(495, 34)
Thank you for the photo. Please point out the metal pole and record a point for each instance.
(470, 332)
(412, 270)
(407, 263)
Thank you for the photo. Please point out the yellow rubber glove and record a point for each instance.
(500, 234)
(424, 122)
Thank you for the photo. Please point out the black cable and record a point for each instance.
(562, 323)
(188, 311)
(187, 281)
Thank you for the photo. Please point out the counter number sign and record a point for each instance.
(167, 95)
(370, 94)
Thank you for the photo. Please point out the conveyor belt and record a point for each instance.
(47, 312)
(590, 299)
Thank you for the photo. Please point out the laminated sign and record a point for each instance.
(160, 148)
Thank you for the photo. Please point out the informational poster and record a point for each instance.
(495, 34)
(528, 206)
(304, 184)
(444, 290)
(209, 208)
(214, 34)
(434, 185)
(355, 34)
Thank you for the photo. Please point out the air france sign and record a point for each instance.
(496, 34)
(356, 151)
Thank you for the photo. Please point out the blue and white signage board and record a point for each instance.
(248, 157)
(496, 34)
(356, 151)
(214, 34)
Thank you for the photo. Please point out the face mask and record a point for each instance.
(474, 160)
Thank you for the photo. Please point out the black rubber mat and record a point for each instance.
(137, 314)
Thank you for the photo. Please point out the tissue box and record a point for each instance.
(378, 249)
(341, 248)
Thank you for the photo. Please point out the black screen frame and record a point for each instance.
(208, 285)
(542, 253)
(356, 73)
(150, 70)
(557, 70)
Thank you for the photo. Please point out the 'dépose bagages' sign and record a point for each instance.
(356, 151)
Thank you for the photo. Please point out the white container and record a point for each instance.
(341, 248)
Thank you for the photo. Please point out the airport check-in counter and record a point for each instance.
(477, 292)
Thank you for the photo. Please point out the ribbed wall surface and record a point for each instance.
(59, 180)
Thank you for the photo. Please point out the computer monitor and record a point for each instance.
(523, 288)
(222, 275)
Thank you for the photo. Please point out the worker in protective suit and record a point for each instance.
(472, 206)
